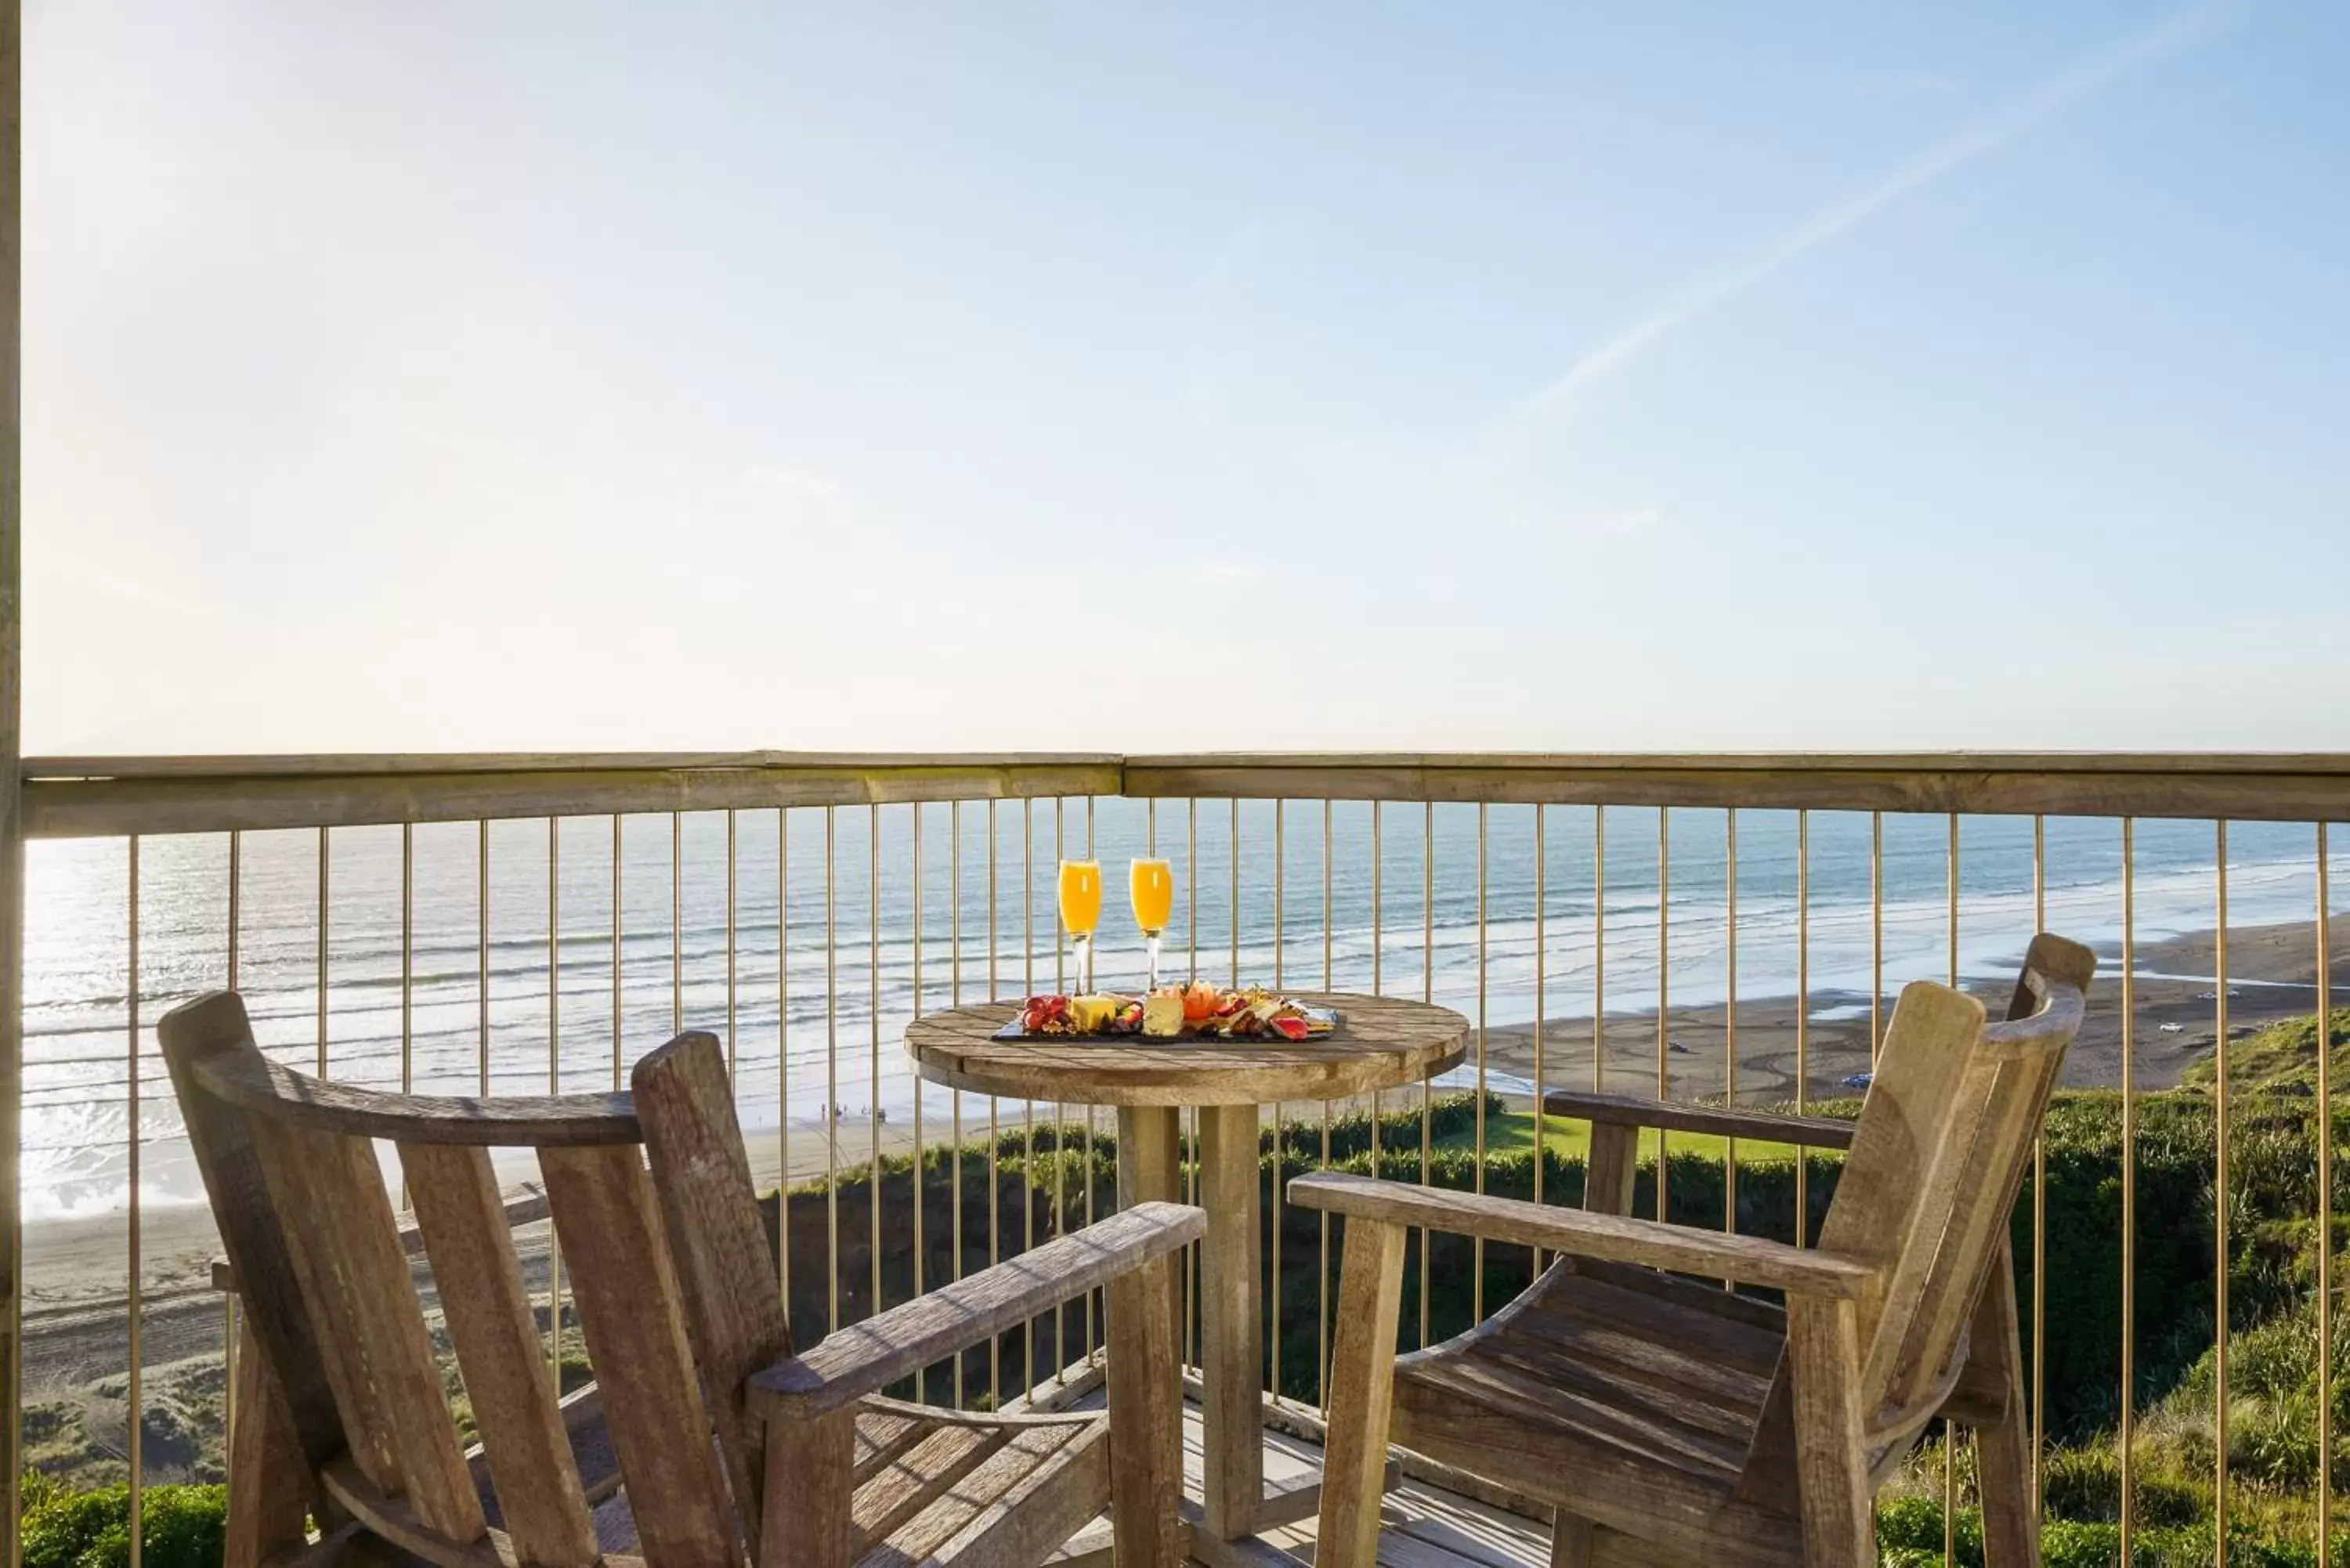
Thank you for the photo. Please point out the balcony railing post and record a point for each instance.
(12, 851)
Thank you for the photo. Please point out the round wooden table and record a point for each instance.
(1381, 1042)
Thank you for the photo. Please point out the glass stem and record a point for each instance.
(1151, 943)
(1085, 945)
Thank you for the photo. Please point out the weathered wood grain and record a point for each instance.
(1612, 1167)
(809, 1508)
(607, 1221)
(864, 1358)
(1361, 1394)
(252, 1082)
(1150, 1169)
(106, 797)
(1749, 1260)
(252, 1232)
(454, 1193)
(269, 1480)
(1232, 1326)
(628, 1462)
(1667, 1422)
(346, 1248)
(1831, 1464)
(1627, 1111)
(2003, 1456)
(1041, 1509)
(2273, 787)
(725, 1269)
(1380, 1043)
(1146, 1413)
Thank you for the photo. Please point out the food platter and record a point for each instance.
(1200, 1012)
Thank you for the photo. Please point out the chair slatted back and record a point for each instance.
(289, 1164)
(1936, 1161)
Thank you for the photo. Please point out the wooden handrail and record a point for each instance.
(82, 798)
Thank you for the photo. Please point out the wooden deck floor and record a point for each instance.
(1422, 1525)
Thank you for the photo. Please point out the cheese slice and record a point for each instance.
(1162, 1014)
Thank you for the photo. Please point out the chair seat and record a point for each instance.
(930, 1483)
(1611, 1388)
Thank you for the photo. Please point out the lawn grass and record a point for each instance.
(1510, 1132)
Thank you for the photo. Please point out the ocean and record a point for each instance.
(550, 1000)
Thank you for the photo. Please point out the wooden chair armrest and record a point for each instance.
(1624, 1110)
(866, 1357)
(1748, 1259)
(527, 1205)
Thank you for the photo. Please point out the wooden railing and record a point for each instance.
(1484, 881)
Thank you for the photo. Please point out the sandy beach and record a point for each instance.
(75, 1270)
(2174, 1021)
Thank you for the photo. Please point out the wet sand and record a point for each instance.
(2271, 973)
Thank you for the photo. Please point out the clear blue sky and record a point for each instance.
(421, 376)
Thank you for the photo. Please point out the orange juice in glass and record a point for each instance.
(1081, 912)
(1152, 885)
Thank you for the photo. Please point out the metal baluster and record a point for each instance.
(1599, 950)
(2040, 1204)
(731, 1045)
(407, 962)
(995, 1133)
(228, 1298)
(2221, 1194)
(1477, 1246)
(554, 1081)
(1279, 941)
(1542, 962)
(873, 1030)
(1322, 1217)
(1803, 1018)
(1190, 1167)
(616, 955)
(1028, 1105)
(922, 1183)
(2324, 1213)
(325, 864)
(1949, 1429)
(677, 921)
(1730, 1019)
(482, 933)
(1426, 994)
(784, 1044)
(2129, 1187)
(134, 1396)
(1085, 1166)
(1876, 935)
(954, 1097)
(831, 1077)
(1378, 960)
(1060, 1110)
(1664, 993)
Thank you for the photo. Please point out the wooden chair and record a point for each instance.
(1670, 1420)
(704, 1440)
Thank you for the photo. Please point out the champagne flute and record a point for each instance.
(1152, 885)
(1080, 913)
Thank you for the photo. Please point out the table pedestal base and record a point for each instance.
(1231, 1324)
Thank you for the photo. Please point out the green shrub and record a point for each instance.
(180, 1527)
(1910, 1529)
(2065, 1544)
